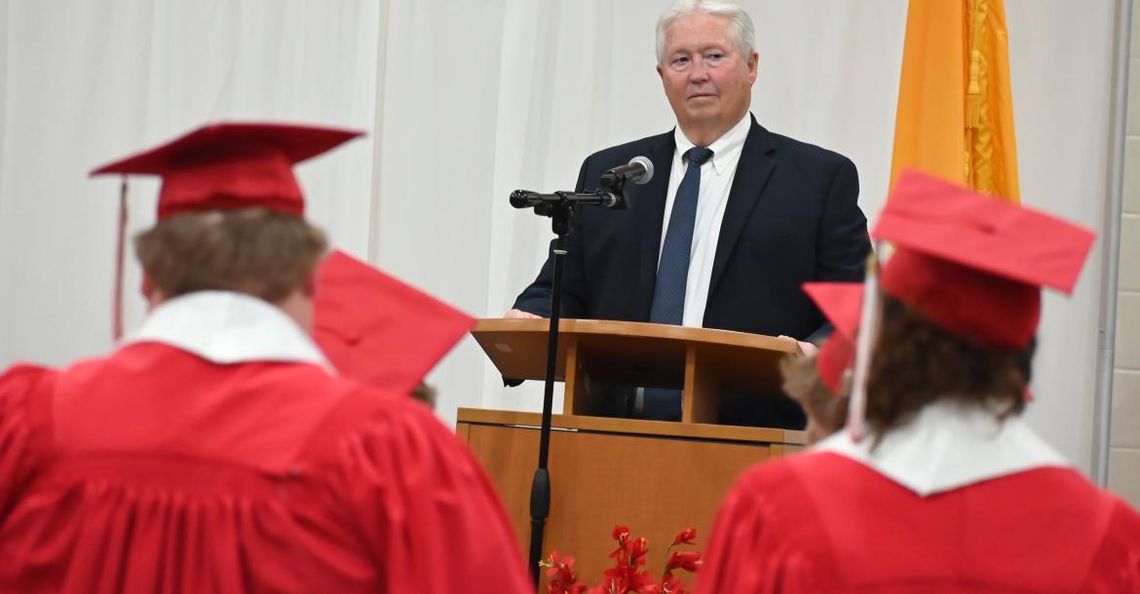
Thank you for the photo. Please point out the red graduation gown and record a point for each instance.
(822, 522)
(155, 470)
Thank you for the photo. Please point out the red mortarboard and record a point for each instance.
(222, 166)
(840, 304)
(975, 265)
(232, 165)
(378, 330)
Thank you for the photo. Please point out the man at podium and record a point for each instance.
(733, 222)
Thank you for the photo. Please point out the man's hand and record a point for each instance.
(805, 348)
(518, 314)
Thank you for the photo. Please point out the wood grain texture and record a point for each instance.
(655, 477)
(637, 354)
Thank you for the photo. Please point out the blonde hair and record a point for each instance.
(254, 251)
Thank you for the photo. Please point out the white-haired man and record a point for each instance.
(736, 219)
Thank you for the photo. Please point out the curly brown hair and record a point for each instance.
(254, 251)
(916, 362)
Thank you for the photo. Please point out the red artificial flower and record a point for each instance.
(643, 583)
(621, 535)
(687, 560)
(672, 585)
(638, 549)
(627, 576)
(686, 536)
(561, 573)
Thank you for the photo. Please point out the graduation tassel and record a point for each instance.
(120, 256)
(864, 344)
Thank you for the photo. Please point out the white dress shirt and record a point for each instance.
(716, 181)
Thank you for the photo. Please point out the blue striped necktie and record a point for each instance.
(673, 273)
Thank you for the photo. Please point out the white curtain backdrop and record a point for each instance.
(464, 102)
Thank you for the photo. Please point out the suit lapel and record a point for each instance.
(649, 207)
(752, 172)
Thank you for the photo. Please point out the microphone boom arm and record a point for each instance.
(545, 203)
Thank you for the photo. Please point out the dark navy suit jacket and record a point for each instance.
(792, 217)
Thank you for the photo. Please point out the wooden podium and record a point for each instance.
(656, 477)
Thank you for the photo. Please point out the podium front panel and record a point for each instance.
(657, 478)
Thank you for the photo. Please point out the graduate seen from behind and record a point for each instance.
(216, 449)
(940, 487)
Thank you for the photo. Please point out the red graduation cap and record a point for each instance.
(975, 265)
(379, 330)
(840, 304)
(232, 165)
(971, 264)
(224, 165)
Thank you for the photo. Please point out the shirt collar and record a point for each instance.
(726, 149)
(947, 446)
(224, 328)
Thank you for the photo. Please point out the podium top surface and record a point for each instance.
(632, 352)
(662, 332)
(634, 427)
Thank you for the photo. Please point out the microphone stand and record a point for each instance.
(559, 206)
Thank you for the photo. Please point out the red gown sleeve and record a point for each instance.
(17, 448)
(1116, 567)
(424, 508)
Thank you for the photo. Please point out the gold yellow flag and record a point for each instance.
(955, 112)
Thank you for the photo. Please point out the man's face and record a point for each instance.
(707, 80)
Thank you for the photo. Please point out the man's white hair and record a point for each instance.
(740, 24)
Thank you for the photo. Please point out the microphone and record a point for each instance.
(525, 198)
(528, 199)
(639, 170)
(609, 200)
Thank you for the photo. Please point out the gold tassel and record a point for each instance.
(977, 162)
